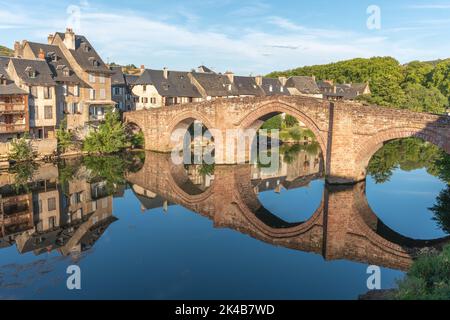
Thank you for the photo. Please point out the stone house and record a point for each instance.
(121, 89)
(96, 77)
(346, 91)
(302, 86)
(159, 88)
(14, 119)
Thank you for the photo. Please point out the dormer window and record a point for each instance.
(31, 72)
(2, 80)
(94, 61)
(66, 72)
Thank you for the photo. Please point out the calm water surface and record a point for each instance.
(145, 229)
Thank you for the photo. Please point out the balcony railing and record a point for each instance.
(12, 128)
(12, 108)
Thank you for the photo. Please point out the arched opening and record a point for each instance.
(288, 170)
(408, 187)
(192, 156)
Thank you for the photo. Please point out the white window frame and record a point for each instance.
(91, 78)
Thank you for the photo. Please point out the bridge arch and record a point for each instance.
(255, 119)
(370, 146)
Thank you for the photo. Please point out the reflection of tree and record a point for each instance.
(23, 173)
(441, 210)
(409, 154)
(206, 169)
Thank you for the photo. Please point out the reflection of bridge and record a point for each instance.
(343, 227)
(348, 133)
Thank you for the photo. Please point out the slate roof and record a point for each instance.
(118, 78)
(177, 84)
(204, 69)
(349, 91)
(85, 55)
(10, 87)
(306, 85)
(247, 86)
(324, 85)
(130, 78)
(57, 67)
(216, 85)
(44, 75)
(276, 85)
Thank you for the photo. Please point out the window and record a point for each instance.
(92, 94)
(51, 202)
(144, 88)
(66, 73)
(47, 92)
(91, 78)
(271, 88)
(76, 90)
(64, 88)
(153, 100)
(51, 222)
(144, 100)
(102, 79)
(282, 89)
(117, 91)
(102, 94)
(48, 112)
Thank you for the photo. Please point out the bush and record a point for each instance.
(21, 150)
(65, 137)
(110, 137)
(290, 121)
(428, 278)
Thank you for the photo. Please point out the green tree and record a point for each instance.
(65, 137)
(417, 72)
(21, 150)
(274, 123)
(290, 121)
(110, 137)
(428, 278)
(441, 77)
(422, 99)
(441, 210)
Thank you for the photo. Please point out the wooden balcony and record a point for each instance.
(12, 128)
(12, 108)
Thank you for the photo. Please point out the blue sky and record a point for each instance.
(247, 37)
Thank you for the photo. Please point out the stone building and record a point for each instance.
(86, 63)
(160, 88)
(14, 119)
(121, 89)
(338, 92)
(302, 86)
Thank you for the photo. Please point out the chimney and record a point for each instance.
(69, 39)
(41, 54)
(230, 76)
(166, 73)
(142, 67)
(18, 49)
(314, 78)
(259, 80)
(283, 81)
(50, 38)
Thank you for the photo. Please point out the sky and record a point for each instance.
(246, 36)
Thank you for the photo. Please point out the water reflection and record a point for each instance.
(68, 206)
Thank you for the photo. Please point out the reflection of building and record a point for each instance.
(44, 215)
(301, 168)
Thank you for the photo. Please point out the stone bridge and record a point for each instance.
(349, 133)
(343, 227)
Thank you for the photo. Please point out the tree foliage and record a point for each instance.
(21, 150)
(419, 86)
(428, 278)
(65, 137)
(110, 137)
